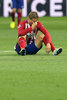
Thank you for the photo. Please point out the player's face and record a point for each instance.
(30, 21)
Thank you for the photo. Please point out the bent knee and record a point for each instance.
(41, 36)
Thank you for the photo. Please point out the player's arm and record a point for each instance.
(21, 29)
(44, 31)
(47, 36)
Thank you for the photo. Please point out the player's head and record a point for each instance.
(32, 17)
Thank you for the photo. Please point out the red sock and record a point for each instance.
(13, 16)
(52, 46)
(21, 42)
(19, 18)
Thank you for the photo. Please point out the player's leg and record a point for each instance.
(20, 46)
(32, 48)
(55, 51)
(35, 46)
(19, 16)
(39, 40)
(23, 49)
(12, 24)
(13, 14)
(20, 6)
(45, 42)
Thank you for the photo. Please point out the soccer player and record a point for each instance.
(17, 5)
(28, 43)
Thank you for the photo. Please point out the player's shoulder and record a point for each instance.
(39, 24)
(23, 22)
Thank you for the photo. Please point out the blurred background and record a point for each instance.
(43, 7)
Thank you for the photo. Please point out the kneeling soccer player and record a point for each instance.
(28, 43)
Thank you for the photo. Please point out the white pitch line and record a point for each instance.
(14, 51)
(7, 51)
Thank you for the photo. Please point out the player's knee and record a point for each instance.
(41, 36)
(19, 10)
(14, 10)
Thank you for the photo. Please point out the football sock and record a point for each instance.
(19, 18)
(21, 42)
(52, 46)
(13, 16)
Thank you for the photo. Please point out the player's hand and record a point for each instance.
(34, 25)
(48, 47)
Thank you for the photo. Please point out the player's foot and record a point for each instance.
(12, 25)
(23, 52)
(17, 48)
(57, 51)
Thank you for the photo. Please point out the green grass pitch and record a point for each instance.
(33, 77)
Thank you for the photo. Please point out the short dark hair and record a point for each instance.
(33, 15)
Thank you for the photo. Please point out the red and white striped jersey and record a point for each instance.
(25, 29)
(30, 36)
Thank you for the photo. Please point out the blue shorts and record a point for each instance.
(30, 49)
(18, 4)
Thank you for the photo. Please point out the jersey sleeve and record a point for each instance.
(44, 31)
(21, 29)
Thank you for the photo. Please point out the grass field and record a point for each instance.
(33, 77)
